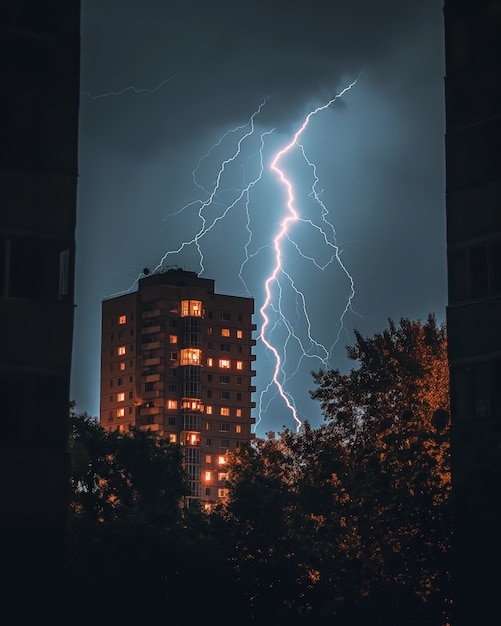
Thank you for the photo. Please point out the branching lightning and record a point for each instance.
(220, 198)
(127, 89)
(292, 217)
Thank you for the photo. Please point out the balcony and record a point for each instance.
(152, 427)
(146, 315)
(252, 388)
(149, 330)
(151, 378)
(151, 410)
(252, 357)
(150, 345)
(252, 373)
(156, 393)
(153, 361)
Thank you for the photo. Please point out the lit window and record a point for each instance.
(209, 330)
(192, 308)
(173, 338)
(120, 412)
(210, 362)
(191, 356)
(122, 319)
(221, 460)
(208, 458)
(172, 437)
(224, 363)
(208, 426)
(207, 475)
(172, 404)
(208, 410)
(120, 397)
(193, 439)
(121, 350)
(225, 332)
(240, 365)
(225, 410)
(239, 334)
(122, 366)
(238, 428)
(239, 413)
(222, 493)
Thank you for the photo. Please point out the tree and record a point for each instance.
(114, 474)
(391, 413)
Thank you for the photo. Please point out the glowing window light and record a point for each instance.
(225, 332)
(191, 308)
(191, 356)
(122, 319)
(172, 404)
(121, 350)
(224, 364)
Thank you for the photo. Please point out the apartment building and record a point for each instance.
(177, 360)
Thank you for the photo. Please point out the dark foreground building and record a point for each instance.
(176, 359)
(473, 201)
(40, 48)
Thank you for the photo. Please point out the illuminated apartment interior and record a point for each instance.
(176, 358)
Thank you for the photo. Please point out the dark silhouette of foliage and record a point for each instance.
(349, 522)
(339, 525)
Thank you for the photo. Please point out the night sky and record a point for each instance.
(162, 84)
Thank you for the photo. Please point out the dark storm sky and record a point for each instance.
(162, 82)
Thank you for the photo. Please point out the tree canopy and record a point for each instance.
(339, 525)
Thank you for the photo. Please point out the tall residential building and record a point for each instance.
(177, 359)
(473, 208)
(40, 68)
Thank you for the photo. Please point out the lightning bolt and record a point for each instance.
(292, 217)
(126, 89)
(219, 199)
